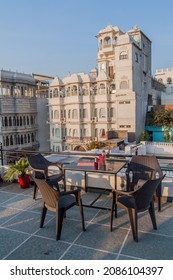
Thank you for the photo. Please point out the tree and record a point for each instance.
(95, 145)
(164, 118)
(145, 136)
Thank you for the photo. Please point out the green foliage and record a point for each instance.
(94, 145)
(145, 136)
(167, 136)
(163, 118)
(20, 169)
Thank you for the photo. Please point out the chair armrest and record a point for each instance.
(76, 192)
(140, 183)
(70, 192)
(123, 193)
(39, 170)
(56, 164)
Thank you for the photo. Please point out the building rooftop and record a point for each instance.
(22, 239)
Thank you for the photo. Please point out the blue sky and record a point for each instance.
(57, 37)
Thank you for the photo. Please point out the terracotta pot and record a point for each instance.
(24, 181)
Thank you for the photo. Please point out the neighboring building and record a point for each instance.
(85, 107)
(42, 91)
(43, 83)
(18, 111)
(165, 76)
(24, 111)
(162, 88)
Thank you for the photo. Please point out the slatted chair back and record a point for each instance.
(144, 194)
(49, 195)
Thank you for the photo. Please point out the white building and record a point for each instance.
(165, 76)
(84, 107)
(23, 116)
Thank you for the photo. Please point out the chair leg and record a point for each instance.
(82, 214)
(152, 215)
(59, 222)
(35, 191)
(44, 211)
(113, 208)
(134, 223)
(159, 197)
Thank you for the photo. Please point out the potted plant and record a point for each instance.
(19, 170)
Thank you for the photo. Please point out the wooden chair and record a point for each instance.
(41, 167)
(136, 201)
(58, 202)
(144, 167)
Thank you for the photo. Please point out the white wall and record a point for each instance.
(43, 127)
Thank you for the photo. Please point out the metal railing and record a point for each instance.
(10, 156)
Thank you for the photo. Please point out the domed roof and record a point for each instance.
(56, 82)
(109, 28)
(74, 78)
(86, 78)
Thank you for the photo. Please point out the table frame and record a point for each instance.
(105, 169)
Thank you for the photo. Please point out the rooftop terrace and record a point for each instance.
(21, 237)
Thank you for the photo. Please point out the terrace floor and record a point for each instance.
(21, 237)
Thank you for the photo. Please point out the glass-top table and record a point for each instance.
(86, 166)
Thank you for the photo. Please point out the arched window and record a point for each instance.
(169, 80)
(52, 132)
(96, 132)
(11, 140)
(17, 121)
(7, 141)
(25, 139)
(32, 120)
(24, 120)
(14, 121)
(75, 133)
(27, 118)
(124, 85)
(56, 114)
(74, 90)
(3, 141)
(123, 55)
(21, 139)
(85, 113)
(57, 132)
(10, 121)
(20, 121)
(50, 94)
(15, 139)
(102, 132)
(29, 138)
(107, 40)
(74, 114)
(55, 92)
(112, 112)
(102, 86)
(32, 137)
(3, 124)
(102, 113)
(6, 121)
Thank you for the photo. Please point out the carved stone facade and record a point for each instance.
(18, 111)
(84, 107)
